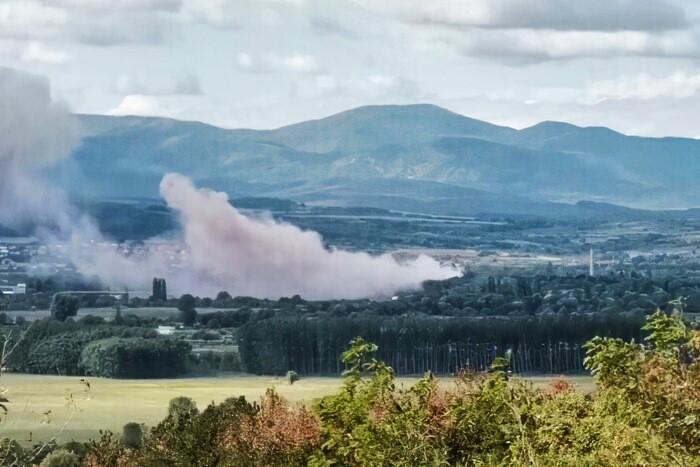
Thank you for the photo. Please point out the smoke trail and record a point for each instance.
(262, 257)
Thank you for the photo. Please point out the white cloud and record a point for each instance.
(215, 12)
(325, 56)
(185, 85)
(390, 85)
(95, 22)
(642, 87)
(327, 25)
(527, 31)
(20, 19)
(119, 27)
(300, 63)
(270, 63)
(648, 117)
(170, 106)
(297, 3)
(573, 15)
(642, 104)
(368, 89)
(677, 85)
(137, 104)
(244, 60)
(149, 5)
(37, 52)
(232, 13)
(528, 45)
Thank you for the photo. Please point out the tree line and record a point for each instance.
(415, 344)
(92, 347)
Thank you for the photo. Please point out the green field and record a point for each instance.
(76, 413)
(108, 313)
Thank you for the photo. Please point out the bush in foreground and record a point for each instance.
(61, 458)
(233, 433)
(132, 435)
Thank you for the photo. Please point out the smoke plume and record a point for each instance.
(35, 132)
(262, 257)
(221, 249)
(224, 249)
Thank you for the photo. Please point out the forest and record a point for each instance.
(542, 320)
(416, 344)
(90, 347)
(637, 416)
(462, 323)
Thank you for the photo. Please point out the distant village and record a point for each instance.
(23, 258)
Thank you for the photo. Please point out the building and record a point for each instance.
(19, 289)
(165, 330)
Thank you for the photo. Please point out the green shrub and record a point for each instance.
(206, 335)
(65, 306)
(61, 458)
(132, 435)
(230, 361)
(292, 377)
(60, 354)
(134, 358)
(182, 408)
(13, 453)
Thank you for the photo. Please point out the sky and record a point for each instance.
(632, 65)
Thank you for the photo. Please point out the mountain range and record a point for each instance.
(412, 158)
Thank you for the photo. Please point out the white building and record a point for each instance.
(19, 289)
(165, 330)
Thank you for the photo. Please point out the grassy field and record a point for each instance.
(48, 406)
(108, 312)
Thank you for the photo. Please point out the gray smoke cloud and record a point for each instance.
(263, 257)
(221, 248)
(35, 132)
(224, 249)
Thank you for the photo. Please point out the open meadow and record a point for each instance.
(45, 406)
(105, 312)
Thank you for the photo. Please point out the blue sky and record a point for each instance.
(629, 64)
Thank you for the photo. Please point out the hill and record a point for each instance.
(414, 157)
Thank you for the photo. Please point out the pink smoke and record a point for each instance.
(266, 258)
